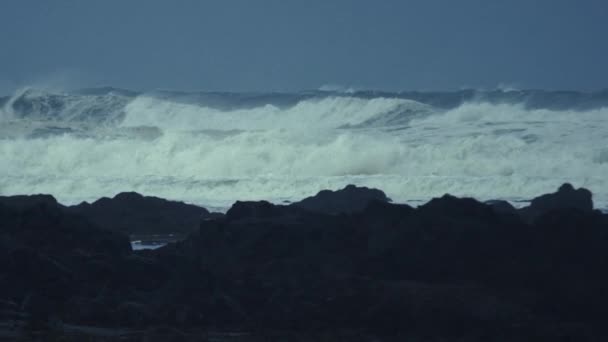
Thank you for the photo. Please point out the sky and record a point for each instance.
(287, 45)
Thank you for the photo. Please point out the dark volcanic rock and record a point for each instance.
(502, 207)
(40, 222)
(347, 200)
(452, 269)
(132, 213)
(451, 266)
(566, 197)
(450, 206)
(261, 209)
(20, 202)
(48, 255)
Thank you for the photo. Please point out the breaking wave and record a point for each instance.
(214, 148)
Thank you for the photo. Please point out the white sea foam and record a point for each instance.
(410, 150)
(307, 115)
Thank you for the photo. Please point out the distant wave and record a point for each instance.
(215, 147)
(531, 99)
(36, 105)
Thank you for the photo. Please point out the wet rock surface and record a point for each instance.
(132, 213)
(348, 200)
(451, 269)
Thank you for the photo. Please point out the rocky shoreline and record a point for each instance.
(341, 265)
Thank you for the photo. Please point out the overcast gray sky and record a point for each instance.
(286, 45)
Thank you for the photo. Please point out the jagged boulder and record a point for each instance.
(132, 213)
(20, 202)
(41, 223)
(48, 254)
(502, 207)
(566, 197)
(454, 207)
(252, 209)
(348, 200)
(454, 268)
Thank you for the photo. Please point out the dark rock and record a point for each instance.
(502, 207)
(132, 314)
(451, 269)
(49, 256)
(20, 202)
(380, 211)
(261, 209)
(566, 197)
(41, 223)
(450, 206)
(348, 200)
(132, 213)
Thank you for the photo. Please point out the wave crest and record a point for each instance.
(185, 147)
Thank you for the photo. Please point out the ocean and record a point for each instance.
(213, 148)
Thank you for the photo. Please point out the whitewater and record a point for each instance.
(212, 148)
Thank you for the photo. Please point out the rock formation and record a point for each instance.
(451, 269)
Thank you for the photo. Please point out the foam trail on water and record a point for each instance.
(82, 147)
